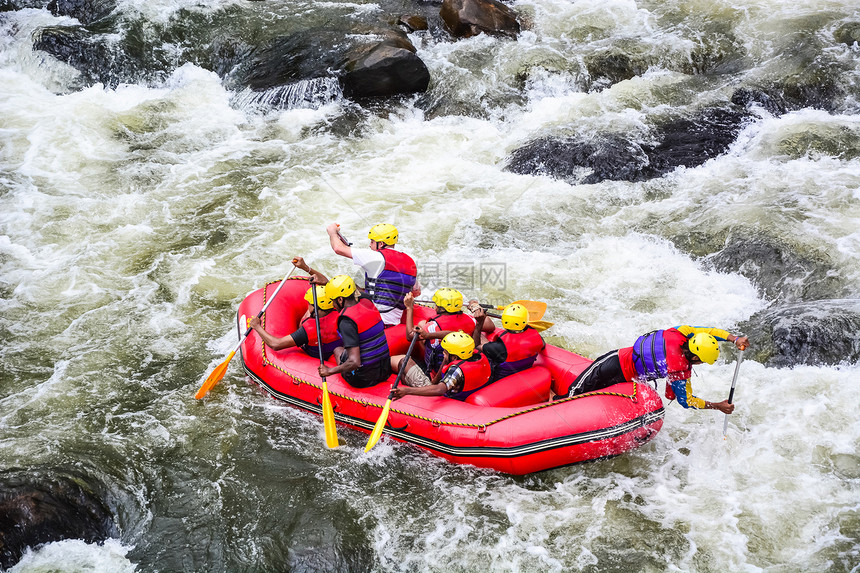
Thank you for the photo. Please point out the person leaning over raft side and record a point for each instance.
(389, 275)
(464, 370)
(364, 359)
(305, 337)
(517, 348)
(668, 354)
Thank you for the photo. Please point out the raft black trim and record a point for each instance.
(475, 451)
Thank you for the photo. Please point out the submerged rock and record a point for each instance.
(779, 271)
(86, 11)
(813, 333)
(466, 18)
(687, 142)
(34, 511)
(98, 58)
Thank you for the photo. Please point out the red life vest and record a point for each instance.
(394, 282)
(371, 331)
(476, 374)
(330, 337)
(522, 348)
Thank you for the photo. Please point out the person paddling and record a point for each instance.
(389, 274)
(515, 349)
(449, 318)
(364, 359)
(464, 370)
(305, 337)
(669, 354)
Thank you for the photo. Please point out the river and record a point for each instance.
(134, 218)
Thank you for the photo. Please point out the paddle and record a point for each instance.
(380, 423)
(732, 391)
(219, 371)
(327, 410)
(539, 325)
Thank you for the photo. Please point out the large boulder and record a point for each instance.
(813, 333)
(687, 142)
(388, 68)
(36, 508)
(466, 18)
(781, 271)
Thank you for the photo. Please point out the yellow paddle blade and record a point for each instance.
(213, 378)
(377, 429)
(540, 325)
(328, 419)
(536, 308)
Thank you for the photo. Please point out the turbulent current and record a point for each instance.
(146, 191)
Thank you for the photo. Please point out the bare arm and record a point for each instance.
(271, 341)
(352, 362)
(337, 245)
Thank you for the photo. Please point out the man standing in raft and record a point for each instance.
(389, 275)
(364, 359)
(306, 335)
(668, 354)
(515, 349)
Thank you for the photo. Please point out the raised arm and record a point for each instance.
(337, 244)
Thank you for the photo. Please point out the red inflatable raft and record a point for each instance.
(509, 426)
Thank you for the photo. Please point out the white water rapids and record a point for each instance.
(134, 220)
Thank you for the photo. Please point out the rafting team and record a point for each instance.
(462, 351)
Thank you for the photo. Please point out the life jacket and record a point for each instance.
(456, 321)
(371, 331)
(394, 282)
(649, 356)
(659, 354)
(330, 337)
(476, 374)
(522, 347)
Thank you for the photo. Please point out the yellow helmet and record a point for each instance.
(515, 317)
(340, 286)
(459, 344)
(383, 233)
(449, 299)
(705, 347)
(324, 301)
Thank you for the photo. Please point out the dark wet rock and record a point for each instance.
(777, 269)
(466, 18)
(96, 56)
(687, 142)
(611, 157)
(848, 33)
(412, 23)
(34, 511)
(379, 68)
(86, 11)
(617, 63)
(301, 56)
(388, 68)
(813, 333)
(772, 102)
(14, 5)
(690, 142)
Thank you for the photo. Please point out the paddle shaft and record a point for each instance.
(317, 321)
(403, 366)
(265, 306)
(732, 391)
